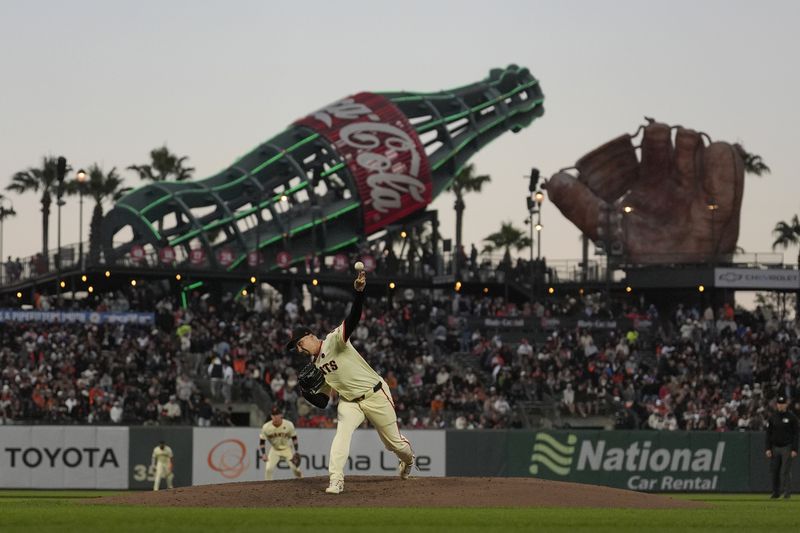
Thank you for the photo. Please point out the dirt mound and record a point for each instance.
(363, 491)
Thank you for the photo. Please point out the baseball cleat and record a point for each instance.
(405, 469)
(336, 487)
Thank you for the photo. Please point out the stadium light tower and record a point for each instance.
(80, 177)
(539, 197)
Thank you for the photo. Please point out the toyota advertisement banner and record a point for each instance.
(56, 457)
(224, 455)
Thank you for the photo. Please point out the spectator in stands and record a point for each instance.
(171, 411)
(205, 413)
(706, 375)
(227, 381)
(184, 389)
(116, 412)
(215, 373)
(568, 399)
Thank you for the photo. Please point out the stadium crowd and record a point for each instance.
(688, 368)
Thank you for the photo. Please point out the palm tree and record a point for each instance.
(5, 212)
(508, 237)
(44, 180)
(753, 164)
(163, 166)
(788, 234)
(464, 182)
(101, 186)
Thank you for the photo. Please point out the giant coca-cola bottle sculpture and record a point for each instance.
(332, 177)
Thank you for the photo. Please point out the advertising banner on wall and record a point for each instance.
(473, 453)
(82, 317)
(520, 324)
(650, 461)
(637, 460)
(224, 455)
(63, 457)
(757, 278)
(142, 441)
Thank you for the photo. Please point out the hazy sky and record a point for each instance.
(106, 81)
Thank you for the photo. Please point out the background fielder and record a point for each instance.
(337, 365)
(163, 460)
(282, 439)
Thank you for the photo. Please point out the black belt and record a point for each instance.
(376, 388)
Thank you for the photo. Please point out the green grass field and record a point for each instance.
(46, 511)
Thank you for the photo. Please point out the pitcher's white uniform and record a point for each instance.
(280, 441)
(162, 457)
(362, 393)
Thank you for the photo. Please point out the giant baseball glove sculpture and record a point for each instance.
(671, 204)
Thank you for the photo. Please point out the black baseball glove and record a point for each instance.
(310, 379)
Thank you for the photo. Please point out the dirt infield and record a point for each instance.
(363, 491)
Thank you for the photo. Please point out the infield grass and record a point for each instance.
(58, 511)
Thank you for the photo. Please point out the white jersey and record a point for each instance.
(280, 438)
(344, 369)
(162, 456)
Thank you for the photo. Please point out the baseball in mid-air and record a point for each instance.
(359, 266)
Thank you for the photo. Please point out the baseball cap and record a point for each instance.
(276, 410)
(781, 399)
(297, 334)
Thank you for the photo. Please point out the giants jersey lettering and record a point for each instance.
(162, 457)
(279, 437)
(345, 370)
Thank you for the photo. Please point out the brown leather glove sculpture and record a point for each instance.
(673, 205)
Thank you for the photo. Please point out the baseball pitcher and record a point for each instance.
(279, 433)
(337, 365)
(163, 461)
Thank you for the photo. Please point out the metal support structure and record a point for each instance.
(584, 258)
(712, 206)
(257, 269)
(4, 212)
(59, 203)
(539, 199)
(80, 177)
(80, 227)
(530, 263)
(607, 239)
(539, 236)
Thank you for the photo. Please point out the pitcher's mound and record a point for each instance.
(363, 491)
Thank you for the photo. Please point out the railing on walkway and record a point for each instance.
(485, 268)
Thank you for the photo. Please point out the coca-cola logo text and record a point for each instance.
(383, 153)
(344, 109)
(387, 186)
